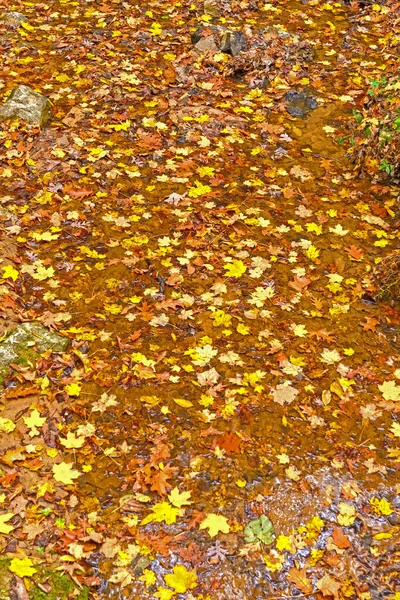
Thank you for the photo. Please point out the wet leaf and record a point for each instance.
(33, 422)
(260, 529)
(300, 580)
(329, 586)
(4, 527)
(235, 269)
(181, 579)
(179, 499)
(65, 473)
(163, 511)
(215, 524)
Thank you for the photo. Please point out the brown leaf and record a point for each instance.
(354, 253)
(300, 580)
(329, 586)
(300, 283)
(370, 324)
(339, 538)
(230, 442)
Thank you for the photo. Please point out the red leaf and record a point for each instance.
(230, 442)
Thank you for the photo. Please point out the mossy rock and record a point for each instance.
(25, 344)
(5, 579)
(62, 586)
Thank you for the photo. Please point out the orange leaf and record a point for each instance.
(329, 587)
(300, 580)
(339, 538)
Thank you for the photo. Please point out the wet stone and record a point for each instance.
(299, 104)
(233, 42)
(26, 343)
(201, 32)
(206, 43)
(24, 103)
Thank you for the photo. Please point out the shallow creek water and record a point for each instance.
(257, 393)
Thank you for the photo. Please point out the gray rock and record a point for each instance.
(233, 42)
(13, 19)
(299, 104)
(197, 35)
(25, 344)
(206, 43)
(24, 103)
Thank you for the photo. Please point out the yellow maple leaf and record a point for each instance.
(72, 440)
(198, 190)
(178, 498)
(163, 511)
(73, 389)
(347, 514)
(65, 473)
(329, 356)
(299, 330)
(215, 523)
(181, 579)
(235, 269)
(163, 593)
(23, 567)
(283, 543)
(6, 425)
(42, 273)
(34, 421)
(390, 391)
(46, 236)
(312, 252)
(4, 528)
(380, 506)
(395, 429)
(10, 273)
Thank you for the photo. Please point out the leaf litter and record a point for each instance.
(208, 253)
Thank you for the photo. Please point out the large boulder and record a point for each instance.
(25, 344)
(24, 103)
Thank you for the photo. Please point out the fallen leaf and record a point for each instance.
(329, 586)
(215, 524)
